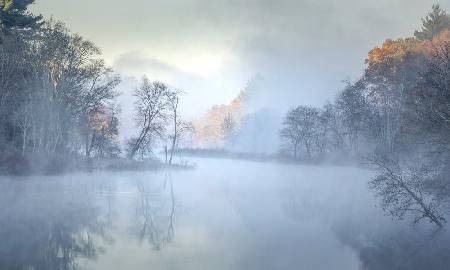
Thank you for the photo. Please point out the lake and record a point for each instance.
(224, 214)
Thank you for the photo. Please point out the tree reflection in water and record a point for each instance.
(155, 212)
(50, 224)
(379, 242)
(398, 246)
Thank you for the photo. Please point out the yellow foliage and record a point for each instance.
(209, 129)
(98, 120)
(393, 52)
(441, 41)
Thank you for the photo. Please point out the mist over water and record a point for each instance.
(226, 214)
(224, 135)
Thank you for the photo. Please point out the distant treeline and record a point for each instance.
(262, 157)
(224, 153)
(396, 116)
(401, 105)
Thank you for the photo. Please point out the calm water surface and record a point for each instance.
(223, 215)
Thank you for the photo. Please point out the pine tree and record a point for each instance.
(14, 14)
(435, 22)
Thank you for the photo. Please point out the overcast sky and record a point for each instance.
(211, 48)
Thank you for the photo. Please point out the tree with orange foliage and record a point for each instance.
(412, 79)
(101, 132)
(390, 77)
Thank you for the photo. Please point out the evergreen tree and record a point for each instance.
(14, 14)
(435, 22)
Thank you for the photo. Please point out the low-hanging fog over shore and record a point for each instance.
(224, 134)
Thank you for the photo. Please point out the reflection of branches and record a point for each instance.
(155, 213)
(391, 246)
(49, 229)
(172, 209)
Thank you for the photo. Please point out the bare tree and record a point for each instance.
(180, 127)
(151, 113)
(74, 78)
(300, 127)
(335, 134)
(431, 115)
(353, 109)
(416, 190)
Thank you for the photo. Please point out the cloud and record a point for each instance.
(200, 92)
(137, 64)
(211, 48)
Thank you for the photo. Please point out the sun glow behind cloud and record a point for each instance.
(211, 49)
(205, 64)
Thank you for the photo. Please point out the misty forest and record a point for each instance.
(224, 135)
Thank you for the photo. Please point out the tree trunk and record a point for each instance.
(138, 143)
(172, 149)
(308, 150)
(175, 129)
(295, 150)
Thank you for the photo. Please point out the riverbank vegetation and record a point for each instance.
(396, 118)
(59, 111)
(58, 107)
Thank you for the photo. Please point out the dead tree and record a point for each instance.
(180, 127)
(416, 190)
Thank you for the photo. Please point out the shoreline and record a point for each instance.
(274, 158)
(89, 165)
